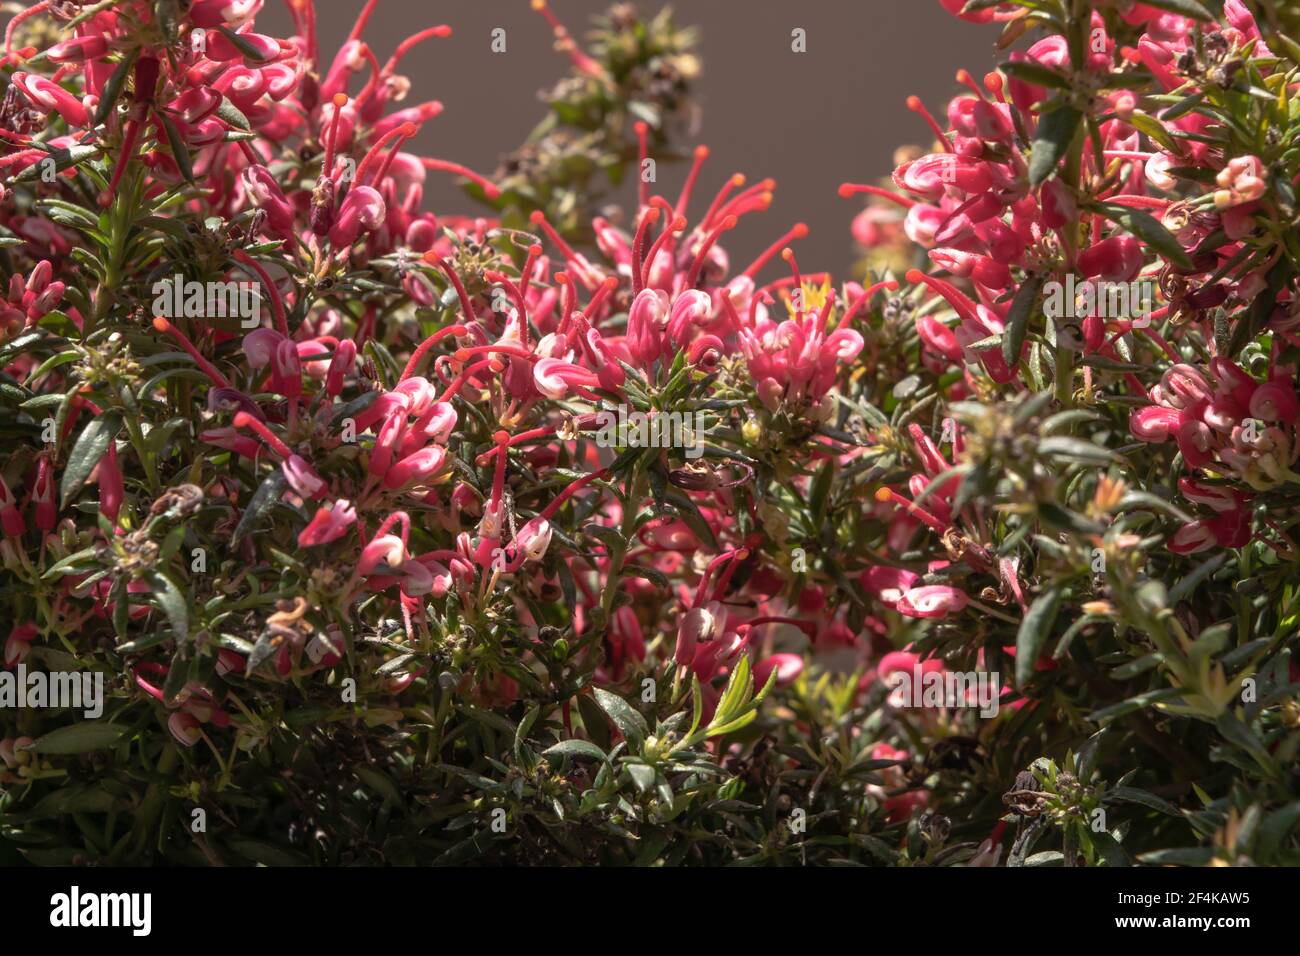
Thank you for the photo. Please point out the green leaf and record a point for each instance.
(653, 575)
(642, 775)
(63, 159)
(1142, 798)
(180, 152)
(79, 738)
(1274, 829)
(232, 115)
(1055, 130)
(169, 597)
(593, 721)
(247, 49)
(381, 784)
(629, 723)
(1035, 73)
(1240, 735)
(1147, 228)
(1139, 702)
(1075, 449)
(113, 89)
(1178, 856)
(737, 692)
(1055, 516)
(1022, 307)
(91, 445)
(1155, 129)
(1035, 628)
(267, 494)
(575, 748)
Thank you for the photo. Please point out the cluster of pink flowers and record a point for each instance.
(222, 107)
(401, 460)
(1225, 423)
(986, 223)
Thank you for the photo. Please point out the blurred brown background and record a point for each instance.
(810, 120)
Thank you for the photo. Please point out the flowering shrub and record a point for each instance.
(546, 538)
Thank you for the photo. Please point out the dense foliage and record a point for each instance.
(546, 538)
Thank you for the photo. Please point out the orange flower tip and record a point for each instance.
(442, 30)
(963, 76)
(914, 104)
(914, 276)
(242, 419)
(737, 180)
(846, 190)
(742, 554)
(641, 127)
(340, 100)
(679, 224)
(891, 285)
(408, 130)
(496, 366)
(769, 184)
(430, 257)
(539, 4)
(652, 214)
(993, 81)
(883, 494)
(729, 223)
(461, 355)
(491, 191)
(611, 283)
(161, 324)
(787, 253)
(800, 230)
(537, 217)
(461, 330)
(535, 249)
(501, 437)
(701, 152)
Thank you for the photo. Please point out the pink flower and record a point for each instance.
(362, 211)
(48, 95)
(555, 377)
(43, 496)
(905, 662)
(646, 321)
(422, 466)
(328, 525)
(533, 540)
(887, 584)
(1243, 180)
(11, 519)
(932, 600)
(267, 195)
(19, 643)
(697, 626)
(185, 728)
(1154, 423)
(898, 806)
(1117, 259)
(303, 478)
(788, 667)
